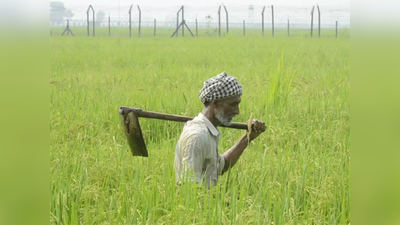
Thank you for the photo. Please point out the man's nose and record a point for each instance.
(236, 111)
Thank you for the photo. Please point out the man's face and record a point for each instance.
(226, 109)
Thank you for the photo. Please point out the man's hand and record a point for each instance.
(258, 127)
(232, 155)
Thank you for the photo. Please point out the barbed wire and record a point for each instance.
(299, 15)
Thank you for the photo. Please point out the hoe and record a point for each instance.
(130, 121)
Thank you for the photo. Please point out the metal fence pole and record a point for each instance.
(197, 28)
(219, 21)
(227, 22)
(87, 19)
(273, 25)
(319, 22)
(68, 28)
(155, 27)
(177, 22)
(262, 21)
(336, 28)
(288, 28)
(244, 28)
(109, 26)
(94, 23)
(87, 16)
(130, 22)
(312, 20)
(183, 19)
(140, 21)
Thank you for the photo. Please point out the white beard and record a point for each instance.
(226, 121)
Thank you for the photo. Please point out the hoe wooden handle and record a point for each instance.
(123, 110)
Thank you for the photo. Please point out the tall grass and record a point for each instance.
(297, 172)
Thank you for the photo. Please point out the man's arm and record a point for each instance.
(233, 154)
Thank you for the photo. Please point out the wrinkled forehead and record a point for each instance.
(233, 99)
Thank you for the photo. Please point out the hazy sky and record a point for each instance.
(72, 3)
(205, 2)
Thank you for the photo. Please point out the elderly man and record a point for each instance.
(197, 157)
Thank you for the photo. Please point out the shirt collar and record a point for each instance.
(214, 131)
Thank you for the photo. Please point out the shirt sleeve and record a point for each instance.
(194, 150)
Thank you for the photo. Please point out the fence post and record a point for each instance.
(183, 19)
(155, 27)
(312, 20)
(130, 21)
(177, 23)
(244, 28)
(288, 28)
(87, 14)
(68, 28)
(336, 28)
(109, 26)
(140, 21)
(262, 21)
(227, 22)
(197, 28)
(273, 27)
(94, 24)
(88, 29)
(219, 21)
(319, 22)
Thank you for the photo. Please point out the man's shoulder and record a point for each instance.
(197, 136)
(196, 127)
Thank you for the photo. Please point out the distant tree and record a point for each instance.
(68, 14)
(100, 17)
(58, 12)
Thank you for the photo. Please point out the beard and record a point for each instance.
(226, 121)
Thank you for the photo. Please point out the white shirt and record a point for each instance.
(196, 155)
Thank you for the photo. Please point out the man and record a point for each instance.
(196, 157)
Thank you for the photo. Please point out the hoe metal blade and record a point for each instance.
(133, 132)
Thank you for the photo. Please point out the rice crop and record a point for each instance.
(297, 172)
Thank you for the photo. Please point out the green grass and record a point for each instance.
(297, 172)
(202, 32)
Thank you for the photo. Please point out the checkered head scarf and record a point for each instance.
(220, 87)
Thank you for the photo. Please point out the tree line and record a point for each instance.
(59, 13)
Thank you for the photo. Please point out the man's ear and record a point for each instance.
(216, 102)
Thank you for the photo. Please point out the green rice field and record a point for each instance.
(297, 172)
